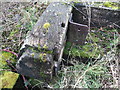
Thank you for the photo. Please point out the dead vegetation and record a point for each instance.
(19, 18)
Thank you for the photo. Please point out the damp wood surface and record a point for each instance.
(43, 47)
(100, 16)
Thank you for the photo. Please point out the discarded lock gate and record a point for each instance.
(41, 53)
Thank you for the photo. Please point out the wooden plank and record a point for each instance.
(100, 16)
(42, 50)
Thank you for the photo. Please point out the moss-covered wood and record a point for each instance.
(42, 50)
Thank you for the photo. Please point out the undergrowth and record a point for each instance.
(100, 73)
(101, 44)
(97, 74)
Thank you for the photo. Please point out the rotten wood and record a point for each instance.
(42, 50)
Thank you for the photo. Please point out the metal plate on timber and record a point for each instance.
(77, 32)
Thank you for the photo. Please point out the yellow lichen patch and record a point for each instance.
(46, 25)
(8, 79)
(42, 57)
(39, 46)
(45, 46)
(32, 54)
(44, 60)
(44, 54)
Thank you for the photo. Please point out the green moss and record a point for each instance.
(8, 79)
(42, 74)
(88, 50)
(39, 47)
(107, 4)
(112, 5)
(41, 56)
(33, 49)
(6, 56)
(40, 52)
(98, 42)
(13, 33)
(49, 52)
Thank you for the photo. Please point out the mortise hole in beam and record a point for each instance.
(79, 29)
(63, 25)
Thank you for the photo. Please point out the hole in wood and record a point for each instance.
(35, 3)
(78, 29)
(63, 25)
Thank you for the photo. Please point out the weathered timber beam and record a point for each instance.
(42, 50)
(100, 16)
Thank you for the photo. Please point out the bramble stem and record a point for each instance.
(6, 50)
